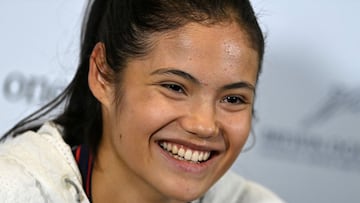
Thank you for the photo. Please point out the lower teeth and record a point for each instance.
(180, 158)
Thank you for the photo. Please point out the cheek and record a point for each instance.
(237, 130)
(145, 112)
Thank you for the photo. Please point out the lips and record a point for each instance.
(183, 153)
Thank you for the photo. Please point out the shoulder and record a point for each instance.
(36, 165)
(233, 188)
(17, 184)
(38, 149)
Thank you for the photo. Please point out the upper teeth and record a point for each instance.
(187, 154)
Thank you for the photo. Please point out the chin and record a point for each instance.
(187, 197)
(186, 194)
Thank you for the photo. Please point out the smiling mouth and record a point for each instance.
(185, 154)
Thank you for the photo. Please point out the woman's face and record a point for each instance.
(185, 112)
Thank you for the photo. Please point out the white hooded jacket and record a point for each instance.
(38, 167)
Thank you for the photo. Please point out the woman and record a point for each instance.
(160, 107)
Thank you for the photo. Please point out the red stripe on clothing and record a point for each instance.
(88, 177)
(78, 152)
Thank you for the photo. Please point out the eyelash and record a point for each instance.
(174, 87)
(239, 99)
(179, 89)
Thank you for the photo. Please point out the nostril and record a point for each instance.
(201, 126)
(207, 131)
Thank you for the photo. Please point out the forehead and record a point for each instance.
(202, 49)
(225, 40)
(220, 31)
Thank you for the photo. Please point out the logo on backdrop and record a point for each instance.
(33, 89)
(327, 136)
(340, 100)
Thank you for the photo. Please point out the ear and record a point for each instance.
(98, 66)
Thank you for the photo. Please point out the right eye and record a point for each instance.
(174, 87)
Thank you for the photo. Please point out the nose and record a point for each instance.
(201, 121)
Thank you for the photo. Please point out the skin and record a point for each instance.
(196, 89)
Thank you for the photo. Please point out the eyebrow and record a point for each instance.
(187, 76)
(241, 84)
(177, 72)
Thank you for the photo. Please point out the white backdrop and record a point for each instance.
(308, 105)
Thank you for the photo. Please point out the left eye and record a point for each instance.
(233, 100)
(174, 87)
